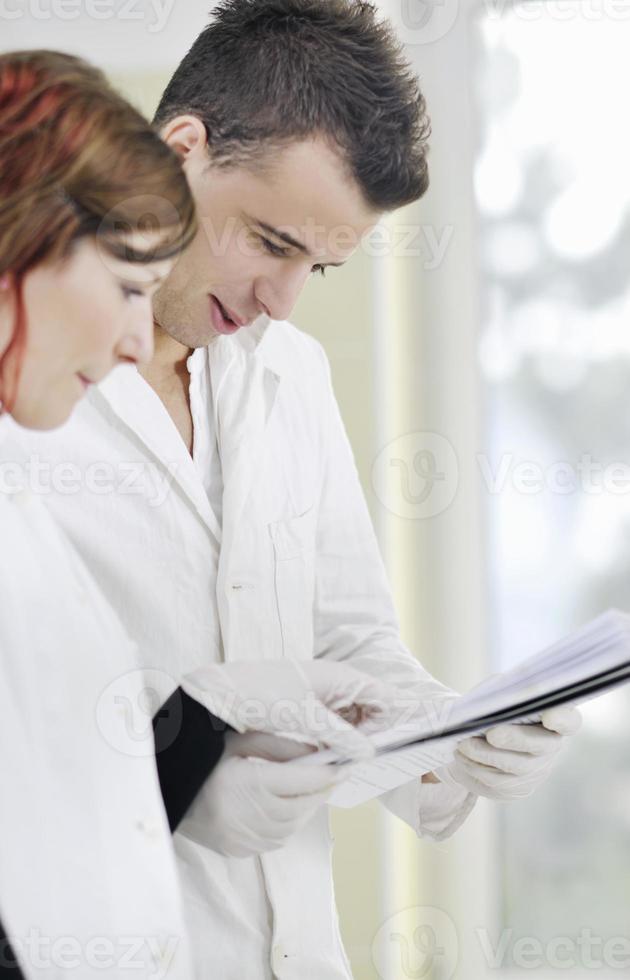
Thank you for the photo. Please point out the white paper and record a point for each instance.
(600, 647)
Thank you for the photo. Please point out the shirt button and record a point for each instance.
(279, 955)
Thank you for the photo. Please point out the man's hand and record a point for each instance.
(250, 805)
(512, 760)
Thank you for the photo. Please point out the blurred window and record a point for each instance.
(552, 187)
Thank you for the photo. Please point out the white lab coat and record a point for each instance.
(88, 880)
(293, 570)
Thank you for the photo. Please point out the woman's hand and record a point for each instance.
(300, 700)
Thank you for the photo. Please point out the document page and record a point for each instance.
(583, 665)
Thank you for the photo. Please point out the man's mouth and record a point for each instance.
(223, 320)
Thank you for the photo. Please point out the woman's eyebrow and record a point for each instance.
(130, 281)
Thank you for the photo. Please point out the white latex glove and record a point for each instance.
(511, 760)
(296, 699)
(249, 805)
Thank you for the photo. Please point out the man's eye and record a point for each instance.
(274, 249)
(319, 268)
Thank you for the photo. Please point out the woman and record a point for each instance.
(94, 210)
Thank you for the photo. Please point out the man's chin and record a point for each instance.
(189, 335)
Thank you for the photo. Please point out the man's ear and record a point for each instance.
(186, 135)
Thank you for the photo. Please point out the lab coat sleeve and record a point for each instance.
(8, 959)
(434, 810)
(355, 620)
(189, 742)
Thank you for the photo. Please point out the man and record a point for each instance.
(215, 496)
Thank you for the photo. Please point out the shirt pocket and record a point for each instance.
(294, 549)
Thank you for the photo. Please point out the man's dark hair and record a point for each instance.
(268, 72)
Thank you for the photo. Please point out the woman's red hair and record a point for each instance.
(76, 160)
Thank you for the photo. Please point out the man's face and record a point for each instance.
(262, 235)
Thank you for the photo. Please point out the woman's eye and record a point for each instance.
(319, 268)
(130, 291)
(274, 249)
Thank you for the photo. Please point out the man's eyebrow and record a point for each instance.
(288, 239)
(282, 235)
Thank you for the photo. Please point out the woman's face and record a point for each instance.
(84, 314)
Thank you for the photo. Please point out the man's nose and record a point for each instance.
(136, 343)
(278, 293)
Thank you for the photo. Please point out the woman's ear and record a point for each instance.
(186, 135)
